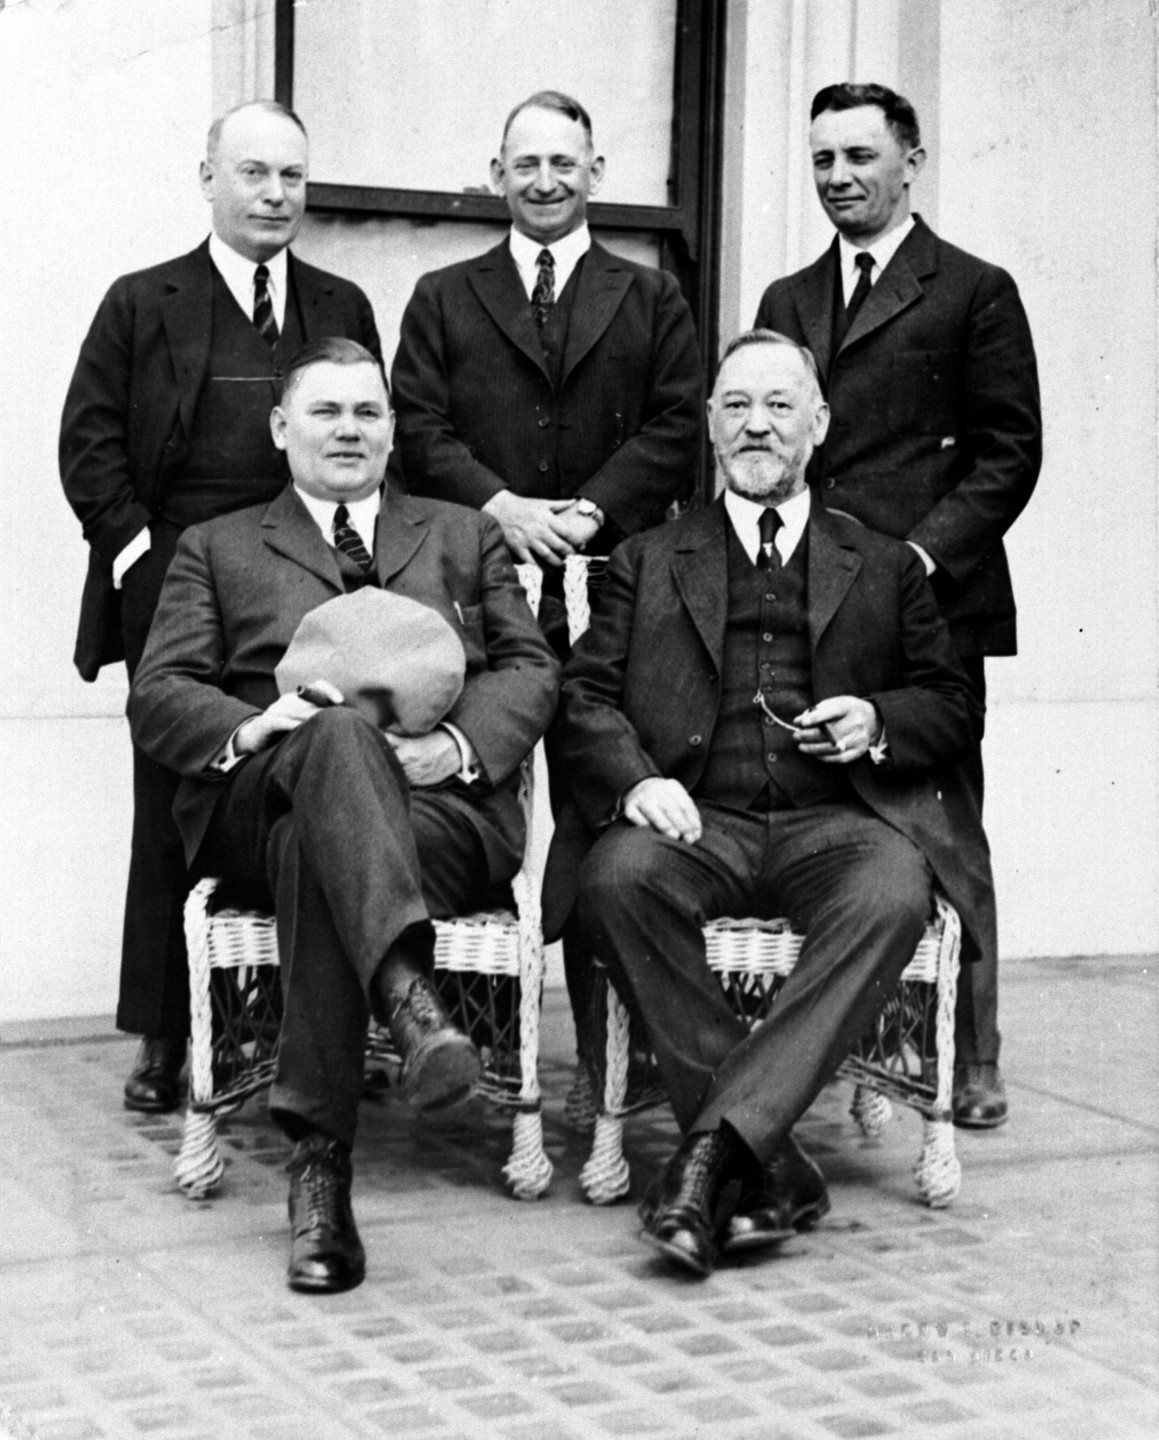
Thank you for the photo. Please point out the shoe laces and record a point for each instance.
(421, 1004)
(322, 1175)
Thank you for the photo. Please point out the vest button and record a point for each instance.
(830, 483)
(767, 637)
(771, 595)
(771, 757)
(544, 467)
(695, 740)
(544, 421)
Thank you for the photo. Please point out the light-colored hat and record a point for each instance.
(394, 659)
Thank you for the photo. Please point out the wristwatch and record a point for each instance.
(590, 510)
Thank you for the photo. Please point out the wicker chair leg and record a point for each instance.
(871, 1110)
(198, 1168)
(938, 1171)
(580, 1108)
(529, 1171)
(606, 1177)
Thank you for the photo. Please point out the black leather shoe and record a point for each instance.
(326, 1254)
(154, 1083)
(679, 1209)
(790, 1194)
(440, 1066)
(979, 1097)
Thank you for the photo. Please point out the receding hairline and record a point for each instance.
(267, 107)
(330, 350)
(557, 103)
(751, 338)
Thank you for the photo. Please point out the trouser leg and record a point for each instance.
(977, 1039)
(861, 892)
(642, 902)
(154, 983)
(324, 825)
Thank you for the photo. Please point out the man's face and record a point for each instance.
(765, 418)
(256, 183)
(862, 172)
(545, 172)
(335, 426)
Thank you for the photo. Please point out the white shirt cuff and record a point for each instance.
(469, 768)
(137, 546)
(227, 757)
(927, 560)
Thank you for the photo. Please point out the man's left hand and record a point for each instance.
(426, 760)
(578, 530)
(838, 730)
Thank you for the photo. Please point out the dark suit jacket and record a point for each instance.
(936, 432)
(641, 692)
(240, 584)
(476, 408)
(129, 410)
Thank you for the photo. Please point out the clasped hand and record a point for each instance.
(545, 530)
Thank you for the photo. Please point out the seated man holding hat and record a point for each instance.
(347, 680)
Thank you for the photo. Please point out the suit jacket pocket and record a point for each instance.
(923, 390)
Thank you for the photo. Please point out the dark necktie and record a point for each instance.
(864, 263)
(543, 296)
(348, 540)
(264, 322)
(767, 556)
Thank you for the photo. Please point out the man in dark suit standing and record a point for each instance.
(355, 835)
(549, 382)
(167, 423)
(936, 435)
(763, 719)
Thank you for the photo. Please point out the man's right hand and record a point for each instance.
(285, 714)
(527, 526)
(665, 806)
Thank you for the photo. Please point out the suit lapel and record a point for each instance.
(815, 306)
(495, 281)
(700, 573)
(832, 570)
(314, 291)
(603, 283)
(185, 309)
(900, 285)
(288, 528)
(401, 530)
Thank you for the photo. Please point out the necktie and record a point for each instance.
(864, 263)
(348, 540)
(543, 296)
(767, 556)
(264, 322)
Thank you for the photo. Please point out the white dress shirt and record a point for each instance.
(745, 515)
(567, 253)
(883, 250)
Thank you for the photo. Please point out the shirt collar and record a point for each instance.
(745, 515)
(883, 250)
(566, 253)
(238, 273)
(363, 514)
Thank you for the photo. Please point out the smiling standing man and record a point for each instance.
(356, 837)
(549, 382)
(167, 423)
(936, 434)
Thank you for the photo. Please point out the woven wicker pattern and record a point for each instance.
(488, 969)
(908, 1054)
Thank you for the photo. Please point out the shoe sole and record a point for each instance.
(442, 1076)
(152, 1107)
(967, 1122)
(683, 1258)
(309, 1285)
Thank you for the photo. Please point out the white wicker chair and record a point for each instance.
(482, 963)
(907, 1056)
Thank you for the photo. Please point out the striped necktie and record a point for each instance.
(348, 540)
(543, 296)
(264, 322)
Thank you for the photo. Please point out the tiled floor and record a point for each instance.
(1029, 1309)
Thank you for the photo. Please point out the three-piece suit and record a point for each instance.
(166, 424)
(935, 437)
(323, 825)
(849, 852)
